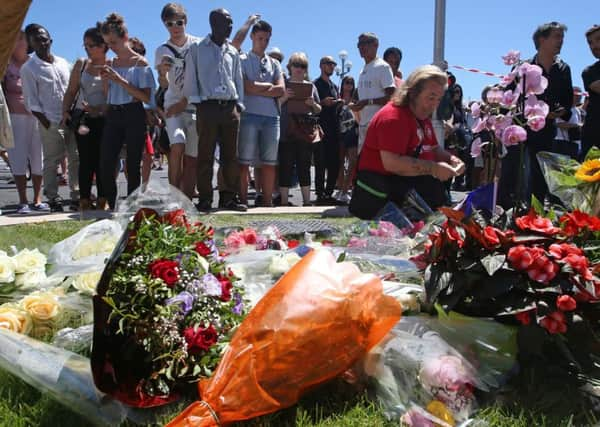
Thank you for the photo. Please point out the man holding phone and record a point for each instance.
(180, 118)
(548, 40)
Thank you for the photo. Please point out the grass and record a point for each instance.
(529, 401)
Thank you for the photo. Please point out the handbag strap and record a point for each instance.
(74, 104)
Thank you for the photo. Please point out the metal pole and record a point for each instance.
(439, 32)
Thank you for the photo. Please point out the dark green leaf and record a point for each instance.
(537, 206)
(341, 257)
(492, 263)
(436, 280)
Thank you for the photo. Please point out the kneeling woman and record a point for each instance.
(400, 151)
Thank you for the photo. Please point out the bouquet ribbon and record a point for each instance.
(314, 324)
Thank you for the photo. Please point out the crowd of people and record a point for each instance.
(262, 119)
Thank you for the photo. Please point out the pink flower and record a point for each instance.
(476, 147)
(512, 57)
(356, 242)
(479, 125)
(475, 110)
(508, 79)
(536, 123)
(494, 96)
(508, 98)
(513, 135)
(535, 82)
(416, 418)
(535, 107)
(445, 372)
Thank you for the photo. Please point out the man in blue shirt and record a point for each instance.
(213, 83)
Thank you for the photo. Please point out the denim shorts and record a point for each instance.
(258, 139)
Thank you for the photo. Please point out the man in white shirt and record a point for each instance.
(375, 84)
(180, 117)
(45, 78)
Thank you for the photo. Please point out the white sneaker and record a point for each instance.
(24, 209)
(344, 198)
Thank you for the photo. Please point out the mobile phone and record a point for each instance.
(168, 59)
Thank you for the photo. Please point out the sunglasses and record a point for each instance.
(178, 23)
(299, 65)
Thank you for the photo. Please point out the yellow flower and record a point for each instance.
(29, 260)
(589, 171)
(441, 412)
(15, 319)
(41, 306)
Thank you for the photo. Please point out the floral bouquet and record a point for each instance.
(251, 239)
(540, 271)
(166, 307)
(576, 185)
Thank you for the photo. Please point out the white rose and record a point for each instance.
(409, 302)
(31, 279)
(15, 319)
(281, 264)
(7, 269)
(86, 282)
(29, 260)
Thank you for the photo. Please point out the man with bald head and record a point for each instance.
(213, 83)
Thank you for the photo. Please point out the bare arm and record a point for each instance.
(141, 94)
(72, 89)
(241, 34)
(411, 166)
(359, 105)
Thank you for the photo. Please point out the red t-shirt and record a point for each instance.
(395, 129)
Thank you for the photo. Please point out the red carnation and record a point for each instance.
(250, 236)
(166, 270)
(200, 339)
(566, 303)
(293, 243)
(555, 322)
(176, 217)
(534, 222)
(202, 249)
(226, 287)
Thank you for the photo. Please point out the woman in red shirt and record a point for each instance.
(401, 151)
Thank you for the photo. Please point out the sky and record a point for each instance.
(477, 33)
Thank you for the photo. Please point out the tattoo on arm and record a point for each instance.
(420, 167)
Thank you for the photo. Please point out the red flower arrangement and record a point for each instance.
(534, 269)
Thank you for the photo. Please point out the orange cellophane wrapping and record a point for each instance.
(315, 323)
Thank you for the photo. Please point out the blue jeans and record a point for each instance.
(258, 140)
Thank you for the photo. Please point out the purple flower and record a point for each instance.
(239, 304)
(508, 79)
(479, 125)
(185, 301)
(211, 285)
(513, 135)
(534, 107)
(535, 82)
(536, 123)
(512, 57)
(508, 98)
(477, 146)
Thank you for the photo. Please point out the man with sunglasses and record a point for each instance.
(259, 125)
(375, 84)
(180, 118)
(45, 78)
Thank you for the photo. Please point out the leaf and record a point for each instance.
(341, 257)
(492, 263)
(593, 153)
(515, 302)
(537, 206)
(436, 280)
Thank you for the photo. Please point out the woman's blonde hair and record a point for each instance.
(298, 58)
(410, 88)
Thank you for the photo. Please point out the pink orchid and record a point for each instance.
(494, 96)
(513, 135)
(475, 110)
(536, 123)
(535, 82)
(534, 107)
(479, 125)
(476, 147)
(508, 98)
(512, 57)
(508, 79)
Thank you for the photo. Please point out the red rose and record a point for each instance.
(200, 339)
(166, 270)
(560, 251)
(202, 249)
(491, 236)
(534, 222)
(454, 236)
(521, 257)
(226, 287)
(555, 322)
(250, 236)
(176, 217)
(524, 317)
(575, 222)
(293, 243)
(566, 303)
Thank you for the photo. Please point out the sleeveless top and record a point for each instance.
(91, 89)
